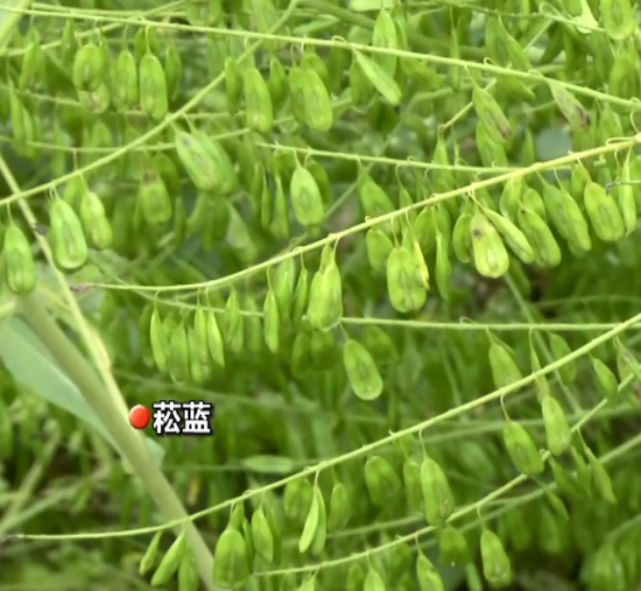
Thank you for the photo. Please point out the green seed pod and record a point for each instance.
(533, 200)
(20, 269)
(233, 85)
(318, 104)
(325, 308)
(149, 557)
(443, 269)
(557, 430)
(271, 322)
(201, 349)
(601, 478)
(566, 216)
(453, 547)
(178, 358)
(320, 536)
(505, 371)
(512, 236)
(412, 482)
(69, 247)
(258, 102)
(462, 238)
(297, 500)
(154, 99)
(173, 67)
(301, 297)
(511, 198)
(618, 20)
(153, 198)
(491, 115)
(220, 161)
(170, 561)
(607, 381)
(379, 79)
(566, 483)
(404, 289)
(497, 569)
(311, 524)
(277, 82)
(561, 349)
(306, 198)
(362, 373)
(188, 579)
(427, 576)
(546, 249)
(373, 199)
(438, 500)
(340, 507)
(491, 153)
(197, 162)
(603, 213)
(575, 113)
(379, 247)
(622, 82)
(522, 449)
(33, 67)
(231, 564)
(490, 255)
(381, 481)
(385, 36)
(88, 68)
(262, 536)
(125, 83)
(296, 83)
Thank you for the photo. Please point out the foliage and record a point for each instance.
(395, 244)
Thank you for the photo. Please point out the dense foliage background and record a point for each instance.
(395, 244)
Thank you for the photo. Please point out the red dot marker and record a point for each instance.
(139, 416)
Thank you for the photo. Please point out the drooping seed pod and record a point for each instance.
(19, 268)
(557, 430)
(68, 244)
(438, 499)
(88, 68)
(522, 449)
(154, 100)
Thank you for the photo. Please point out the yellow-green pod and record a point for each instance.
(88, 68)
(20, 268)
(557, 430)
(603, 213)
(231, 561)
(258, 102)
(438, 499)
(154, 199)
(307, 201)
(95, 224)
(68, 244)
(125, 80)
(381, 480)
(319, 114)
(362, 373)
(497, 568)
(522, 449)
(491, 258)
(154, 100)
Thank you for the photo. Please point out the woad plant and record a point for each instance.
(394, 244)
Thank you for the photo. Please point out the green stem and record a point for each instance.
(418, 41)
(73, 363)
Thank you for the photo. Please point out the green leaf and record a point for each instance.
(31, 364)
